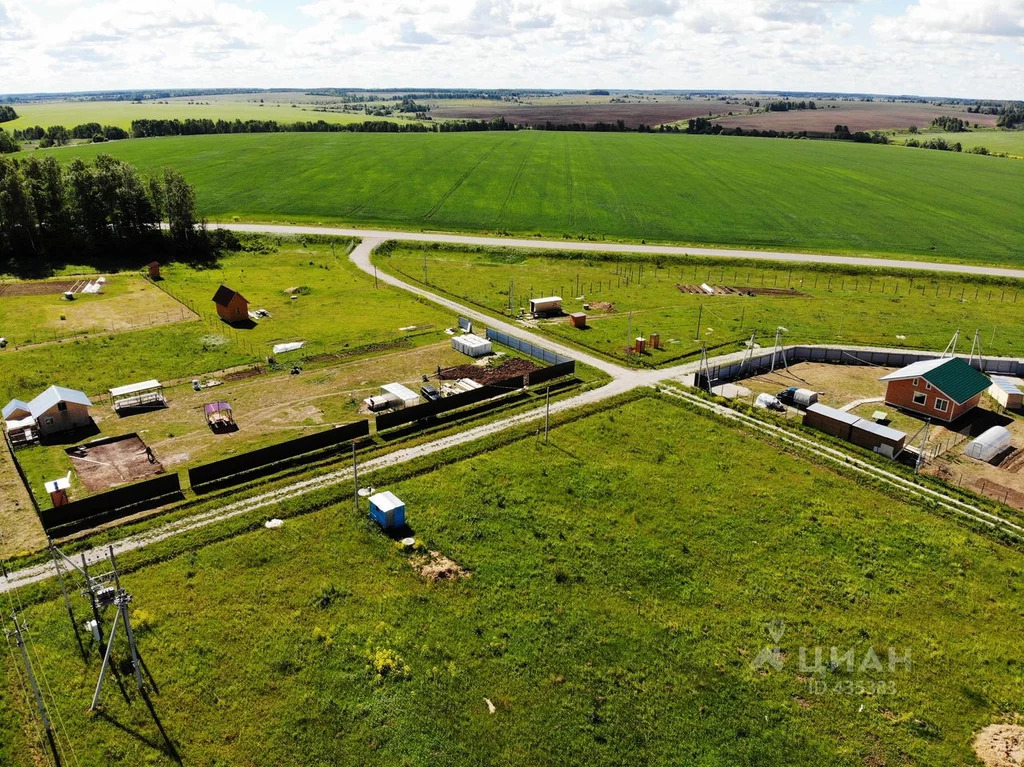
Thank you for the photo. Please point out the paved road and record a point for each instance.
(612, 247)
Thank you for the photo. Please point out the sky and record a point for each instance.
(962, 48)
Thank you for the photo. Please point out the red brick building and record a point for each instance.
(942, 389)
(231, 306)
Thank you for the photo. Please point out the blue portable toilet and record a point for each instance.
(387, 510)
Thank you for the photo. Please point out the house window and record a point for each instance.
(914, 383)
(927, 387)
(62, 407)
(941, 405)
(920, 398)
(49, 421)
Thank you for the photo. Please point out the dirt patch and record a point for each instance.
(1000, 745)
(435, 566)
(863, 116)
(602, 306)
(241, 375)
(113, 462)
(515, 366)
(728, 290)
(41, 288)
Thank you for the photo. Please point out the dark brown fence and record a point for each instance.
(114, 504)
(553, 372)
(240, 468)
(455, 401)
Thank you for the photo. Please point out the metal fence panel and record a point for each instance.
(115, 503)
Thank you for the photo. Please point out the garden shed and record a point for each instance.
(1007, 392)
(231, 305)
(875, 436)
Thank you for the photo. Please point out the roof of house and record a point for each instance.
(950, 375)
(224, 295)
(13, 406)
(56, 394)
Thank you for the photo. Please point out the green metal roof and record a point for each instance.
(957, 380)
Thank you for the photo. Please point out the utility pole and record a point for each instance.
(355, 479)
(924, 445)
(976, 343)
(547, 413)
(122, 599)
(700, 316)
(20, 641)
(425, 280)
(951, 346)
(374, 276)
(67, 602)
(629, 335)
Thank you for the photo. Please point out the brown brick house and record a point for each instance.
(942, 389)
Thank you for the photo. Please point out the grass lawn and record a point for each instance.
(820, 196)
(127, 301)
(341, 310)
(606, 625)
(851, 306)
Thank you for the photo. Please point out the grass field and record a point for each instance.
(1008, 141)
(851, 306)
(826, 196)
(126, 302)
(603, 630)
(340, 310)
(121, 113)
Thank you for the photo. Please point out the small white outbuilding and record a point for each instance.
(1007, 391)
(471, 345)
(990, 444)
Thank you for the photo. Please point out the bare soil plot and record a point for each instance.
(113, 462)
(488, 374)
(631, 114)
(40, 287)
(727, 290)
(857, 116)
(1000, 745)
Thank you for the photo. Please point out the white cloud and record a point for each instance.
(933, 47)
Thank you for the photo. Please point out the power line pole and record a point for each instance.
(122, 599)
(20, 641)
(700, 316)
(547, 413)
(355, 479)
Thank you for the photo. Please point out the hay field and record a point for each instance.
(603, 630)
(824, 196)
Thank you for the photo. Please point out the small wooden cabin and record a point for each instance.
(231, 305)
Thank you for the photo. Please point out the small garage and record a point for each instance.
(874, 436)
(838, 423)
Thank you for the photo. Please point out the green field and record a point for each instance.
(121, 113)
(1008, 141)
(849, 306)
(604, 629)
(823, 196)
(340, 310)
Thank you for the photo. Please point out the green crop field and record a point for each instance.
(121, 113)
(604, 630)
(1009, 141)
(339, 308)
(825, 196)
(847, 305)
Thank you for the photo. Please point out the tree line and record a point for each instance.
(786, 106)
(951, 124)
(201, 126)
(7, 113)
(99, 213)
(703, 125)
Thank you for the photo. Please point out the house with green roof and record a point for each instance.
(942, 389)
